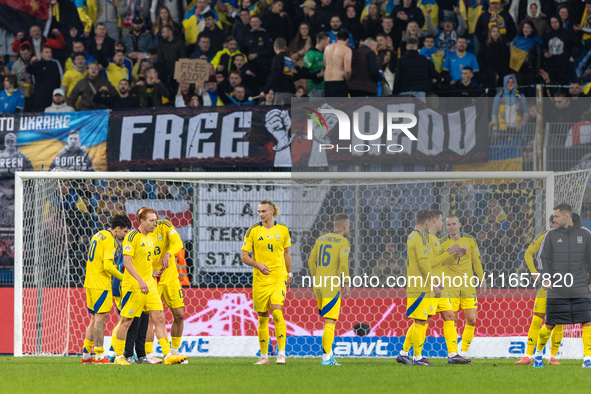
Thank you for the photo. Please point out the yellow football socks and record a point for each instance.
(328, 337)
(118, 346)
(451, 336)
(149, 347)
(543, 338)
(280, 330)
(88, 346)
(532, 334)
(165, 345)
(587, 341)
(556, 339)
(418, 339)
(175, 342)
(264, 335)
(408, 340)
(467, 337)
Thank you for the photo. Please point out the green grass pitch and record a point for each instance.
(239, 375)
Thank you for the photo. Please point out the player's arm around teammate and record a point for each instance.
(139, 288)
(99, 270)
(269, 242)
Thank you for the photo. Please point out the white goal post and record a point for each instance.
(43, 269)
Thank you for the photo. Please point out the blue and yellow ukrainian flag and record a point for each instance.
(519, 50)
(472, 13)
(190, 23)
(423, 4)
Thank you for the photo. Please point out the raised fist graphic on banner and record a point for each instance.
(278, 123)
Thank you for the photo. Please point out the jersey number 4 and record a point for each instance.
(324, 255)
(269, 246)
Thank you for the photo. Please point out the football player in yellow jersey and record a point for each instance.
(442, 304)
(269, 242)
(463, 296)
(99, 270)
(539, 310)
(330, 259)
(418, 288)
(139, 289)
(167, 243)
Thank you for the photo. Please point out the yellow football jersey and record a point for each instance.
(419, 264)
(166, 240)
(467, 264)
(329, 258)
(439, 258)
(101, 254)
(268, 247)
(531, 251)
(141, 248)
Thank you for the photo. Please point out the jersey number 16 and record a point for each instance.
(324, 255)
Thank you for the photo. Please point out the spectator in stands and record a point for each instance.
(575, 90)
(241, 28)
(165, 18)
(414, 73)
(528, 72)
(124, 100)
(115, 71)
(78, 47)
(447, 36)
(106, 13)
(156, 62)
(495, 16)
(407, 11)
(211, 30)
(313, 66)
(535, 16)
(558, 49)
(337, 60)
(47, 73)
(184, 95)
(152, 92)
(36, 40)
(300, 45)
(88, 87)
(412, 30)
(352, 24)
(454, 62)
(59, 102)
(372, 22)
(335, 26)
(276, 21)
(194, 101)
(388, 30)
(493, 56)
(259, 48)
(203, 50)
(565, 110)
(11, 100)
(222, 62)
(101, 42)
(194, 22)
(564, 13)
(248, 77)
(170, 49)
(429, 50)
(74, 74)
(510, 111)
(210, 93)
(138, 41)
(311, 16)
(281, 79)
(365, 74)
(465, 86)
(19, 67)
(237, 97)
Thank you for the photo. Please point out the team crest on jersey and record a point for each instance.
(277, 237)
(131, 311)
(579, 239)
(128, 248)
(159, 237)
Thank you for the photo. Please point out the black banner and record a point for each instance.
(370, 132)
(166, 138)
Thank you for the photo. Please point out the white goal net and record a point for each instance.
(57, 214)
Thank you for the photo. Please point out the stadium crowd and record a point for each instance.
(122, 54)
